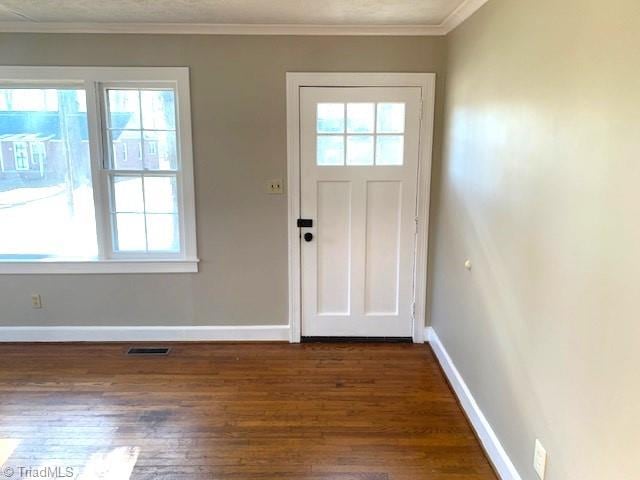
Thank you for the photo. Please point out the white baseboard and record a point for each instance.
(145, 334)
(490, 441)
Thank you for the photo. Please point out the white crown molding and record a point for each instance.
(460, 14)
(221, 29)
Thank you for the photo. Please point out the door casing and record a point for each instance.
(295, 81)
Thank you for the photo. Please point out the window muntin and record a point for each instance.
(168, 218)
(360, 134)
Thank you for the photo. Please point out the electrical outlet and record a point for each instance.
(539, 459)
(36, 301)
(275, 186)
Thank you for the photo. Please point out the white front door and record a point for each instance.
(359, 175)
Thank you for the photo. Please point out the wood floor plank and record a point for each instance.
(230, 411)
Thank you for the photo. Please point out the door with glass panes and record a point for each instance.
(359, 175)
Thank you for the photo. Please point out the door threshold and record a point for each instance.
(356, 340)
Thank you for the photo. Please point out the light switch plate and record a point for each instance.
(275, 187)
(36, 301)
(539, 459)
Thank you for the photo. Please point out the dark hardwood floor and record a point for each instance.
(234, 411)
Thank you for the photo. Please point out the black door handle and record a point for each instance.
(308, 237)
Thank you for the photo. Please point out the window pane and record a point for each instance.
(158, 110)
(160, 152)
(330, 117)
(127, 193)
(162, 232)
(360, 117)
(160, 195)
(331, 150)
(124, 109)
(390, 118)
(360, 150)
(126, 149)
(46, 194)
(34, 99)
(390, 150)
(131, 232)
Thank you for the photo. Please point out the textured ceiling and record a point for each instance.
(291, 12)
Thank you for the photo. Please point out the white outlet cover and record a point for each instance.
(539, 459)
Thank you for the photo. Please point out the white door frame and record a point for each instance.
(426, 81)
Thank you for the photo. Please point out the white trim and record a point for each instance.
(92, 80)
(222, 29)
(460, 14)
(145, 334)
(425, 81)
(16, 267)
(492, 446)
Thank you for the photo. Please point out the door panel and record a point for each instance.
(333, 248)
(382, 252)
(359, 172)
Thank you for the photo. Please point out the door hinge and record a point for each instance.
(421, 109)
(413, 310)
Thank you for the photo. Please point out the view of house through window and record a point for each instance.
(96, 172)
(141, 126)
(46, 194)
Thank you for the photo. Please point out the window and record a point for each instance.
(21, 155)
(38, 153)
(102, 171)
(151, 147)
(360, 134)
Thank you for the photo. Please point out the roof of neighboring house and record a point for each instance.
(25, 137)
(47, 124)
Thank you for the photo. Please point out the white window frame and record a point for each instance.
(92, 80)
(123, 148)
(154, 143)
(38, 150)
(25, 149)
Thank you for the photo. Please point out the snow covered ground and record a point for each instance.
(38, 221)
(42, 221)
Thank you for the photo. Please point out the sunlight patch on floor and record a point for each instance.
(7, 446)
(116, 464)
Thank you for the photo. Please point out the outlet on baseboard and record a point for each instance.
(36, 301)
(539, 459)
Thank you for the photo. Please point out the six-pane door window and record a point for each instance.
(360, 134)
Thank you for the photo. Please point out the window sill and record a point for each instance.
(15, 267)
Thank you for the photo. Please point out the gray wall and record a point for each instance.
(239, 130)
(539, 188)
